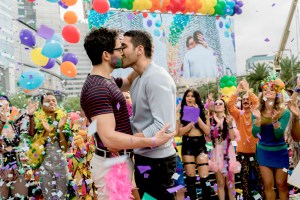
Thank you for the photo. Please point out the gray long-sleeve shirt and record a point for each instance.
(153, 105)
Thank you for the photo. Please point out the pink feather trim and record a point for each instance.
(118, 184)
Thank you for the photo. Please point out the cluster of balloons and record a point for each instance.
(177, 27)
(228, 86)
(207, 7)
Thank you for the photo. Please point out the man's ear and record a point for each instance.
(105, 55)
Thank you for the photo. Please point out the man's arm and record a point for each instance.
(128, 81)
(116, 140)
(234, 112)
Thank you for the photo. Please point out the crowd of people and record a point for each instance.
(131, 153)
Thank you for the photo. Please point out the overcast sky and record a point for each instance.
(263, 19)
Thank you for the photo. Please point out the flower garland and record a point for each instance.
(36, 151)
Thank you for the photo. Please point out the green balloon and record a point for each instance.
(229, 84)
(222, 85)
(222, 3)
(225, 79)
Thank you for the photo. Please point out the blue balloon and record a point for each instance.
(226, 34)
(221, 24)
(153, 15)
(149, 23)
(158, 23)
(52, 49)
(115, 3)
(27, 38)
(58, 38)
(31, 79)
(227, 25)
(156, 32)
(53, 1)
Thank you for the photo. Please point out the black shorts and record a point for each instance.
(193, 146)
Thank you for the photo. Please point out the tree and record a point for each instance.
(290, 67)
(210, 87)
(72, 104)
(19, 100)
(259, 72)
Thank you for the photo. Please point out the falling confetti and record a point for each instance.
(267, 40)
(273, 4)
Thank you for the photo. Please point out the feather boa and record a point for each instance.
(118, 184)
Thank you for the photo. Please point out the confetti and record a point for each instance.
(267, 40)
(143, 169)
(118, 106)
(175, 189)
(175, 176)
(259, 136)
(251, 159)
(273, 4)
(146, 175)
(285, 170)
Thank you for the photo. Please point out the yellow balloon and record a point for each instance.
(38, 58)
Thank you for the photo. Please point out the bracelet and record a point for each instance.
(153, 142)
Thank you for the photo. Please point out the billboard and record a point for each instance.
(189, 47)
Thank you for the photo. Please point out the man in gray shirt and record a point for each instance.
(153, 105)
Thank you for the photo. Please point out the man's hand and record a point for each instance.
(32, 106)
(161, 137)
(293, 108)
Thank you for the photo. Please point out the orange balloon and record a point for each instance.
(69, 2)
(68, 69)
(14, 114)
(70, 17)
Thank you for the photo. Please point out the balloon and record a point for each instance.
(156, 32)
(63, 5)
(50, 64)
(158, 23)
(149, 23)
(101, 6)
(70, 57)
(52, 49)
(145, 15)
(69, 2)
(68, 69)
(58, 38)
(53, 1)
(226, 34)
(222, 85)
(71, 34)
(31, 79)
(115, 3)
(221, 24)
(224, 79)
(27, 38)
(37, 57)
(232, 78)
(229, 84)
(227, 25)
(70, 17)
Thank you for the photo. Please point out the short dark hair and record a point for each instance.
(143, 38)
(3, 97)
(187, 44)
(99, 40)
(195, 34)
(43, 96)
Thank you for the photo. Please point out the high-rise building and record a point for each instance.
(27, 12)
(267, 59)
(73, 86)
(8, 14)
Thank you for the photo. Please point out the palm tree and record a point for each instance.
(210, 87)
(290, 67)
(259, 72)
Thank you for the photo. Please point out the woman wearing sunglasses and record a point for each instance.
(223, 161)
(270, 121)
(194, 153)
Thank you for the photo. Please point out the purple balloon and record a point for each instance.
(50, 64)
(130, 16)
(240, 3)
(70, 57)
(63, 5)
(27, 38)
(239, 11)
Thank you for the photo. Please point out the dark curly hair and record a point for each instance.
(99, 40)
(198, 102)
(143, 38)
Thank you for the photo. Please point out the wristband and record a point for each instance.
(153, 142)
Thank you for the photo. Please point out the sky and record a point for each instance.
(262, 19)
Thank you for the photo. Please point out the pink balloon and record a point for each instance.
(101, 6)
